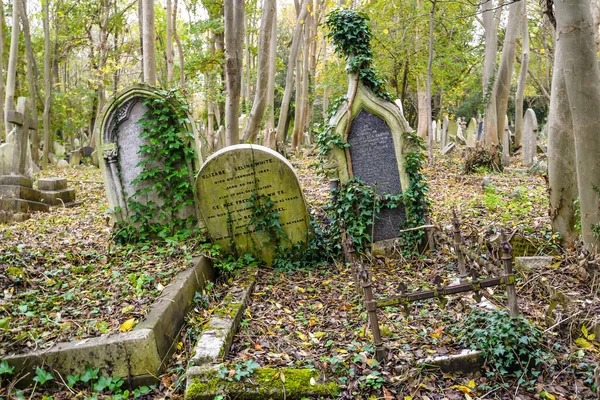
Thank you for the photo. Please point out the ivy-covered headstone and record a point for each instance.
(148, 152)
(250, 200)
(382, 151)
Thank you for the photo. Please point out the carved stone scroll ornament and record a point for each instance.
(110, 156)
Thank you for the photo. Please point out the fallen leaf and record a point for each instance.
(387, 395)
(127, 325)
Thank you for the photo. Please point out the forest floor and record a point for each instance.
(55, 268)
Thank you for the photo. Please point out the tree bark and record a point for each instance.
(149, 56)
(47, 83)
(11, 73)
(289, 79)
(179, 46)
(234, 22)
(491, 44)
(582, 78)
(262, 86)
(498, 102)
(519, 98)
(169, 45)
(429, 67)
(2, 46)
(32, 78)
(270, 125)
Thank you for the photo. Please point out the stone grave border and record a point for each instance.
(108, 114)
(138, 356)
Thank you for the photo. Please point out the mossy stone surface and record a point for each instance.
(224, 186)
(263, 383)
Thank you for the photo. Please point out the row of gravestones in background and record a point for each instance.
(228, 178)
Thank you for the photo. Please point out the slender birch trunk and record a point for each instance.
(520, 95)
(149, 56)
(47, 82)
(11, 73)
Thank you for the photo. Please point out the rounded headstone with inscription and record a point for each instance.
(225, 184)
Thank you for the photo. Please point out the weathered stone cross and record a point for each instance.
(23, 121)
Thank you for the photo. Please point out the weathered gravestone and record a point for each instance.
(54, 191)
(227, 182)
(119, 141)
(529, 140)
(452, 131)
(471, 138)
(16, 186)
(375, 155)
(506, 143)
(445, 131)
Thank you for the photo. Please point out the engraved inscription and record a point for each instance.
(373, 159)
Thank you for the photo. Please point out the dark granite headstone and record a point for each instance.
(373, 159)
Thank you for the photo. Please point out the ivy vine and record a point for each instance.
(166, 172)
(351, 35)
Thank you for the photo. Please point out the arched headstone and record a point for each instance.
(229, 179)
(119, 142)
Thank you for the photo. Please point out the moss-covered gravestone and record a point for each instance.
(245, 193)
(120, 141)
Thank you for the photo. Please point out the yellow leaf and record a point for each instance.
(327, 282)
(301, 335)
(471, 384)
(462, 388)
(319, 335)
(287, 310)
(127, 325)
(407, 397)
(548, 396)
(385, 31)
(584, 330)
(301, 290)
(584, 344)
(592, 336)
(179, 345)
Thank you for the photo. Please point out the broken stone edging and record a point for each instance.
(138, 356)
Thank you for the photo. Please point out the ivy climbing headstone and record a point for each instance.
(250, 200)
(147, 165)
(383, 151)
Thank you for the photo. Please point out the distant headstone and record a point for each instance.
(529, 140)
(471, 137)
(452, 131)
(438, 132)
(445, 131)
(87, 151)
(448, 148)
(62, 164)
(76, 143)
(119, 142)
(375, 155)
(506, 144)
(225, 184)
(59, 150)
(479, 130)
(460, 137)
(54, 192)
(17, 195)
(75, 158)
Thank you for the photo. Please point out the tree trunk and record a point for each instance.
(296, 132)
(169, 45)
(47, 83)
(149, 56)
(491, 44)
(498, 100)
(234, 22)
(2, 46)
(562, 173)
(272, 65)
(582, 77)
(32, 78)
(429, 67)
(289, 78)
(264, 49)
(519, 98)
(11, 73)
(179, 46)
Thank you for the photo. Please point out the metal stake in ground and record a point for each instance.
(511, 291)
(371, 305)
(462, 270)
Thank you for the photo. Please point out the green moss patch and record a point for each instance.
(262, 383)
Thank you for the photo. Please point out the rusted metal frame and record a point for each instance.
(447, 290)
(371, 306)
(511, 290)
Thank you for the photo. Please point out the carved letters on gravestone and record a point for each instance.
(227, 181)
(373, 159)
(375, 154)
